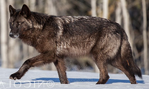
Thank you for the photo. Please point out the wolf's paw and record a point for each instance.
(15, 76)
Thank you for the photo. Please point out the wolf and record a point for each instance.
(58, 37)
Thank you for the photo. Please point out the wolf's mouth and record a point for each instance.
(13, 35)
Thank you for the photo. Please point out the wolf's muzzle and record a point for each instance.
(13, 36)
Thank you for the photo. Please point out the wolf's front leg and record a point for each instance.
(35, 61)
(60, 65)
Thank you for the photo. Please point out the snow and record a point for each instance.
(39, 79)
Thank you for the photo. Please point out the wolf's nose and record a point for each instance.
(10, 34)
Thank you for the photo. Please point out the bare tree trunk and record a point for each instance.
(26, 2)
(40, 5)
(145, 36)
(93, 7)
(118, 13)
(0, 30)
(4, 34)
(50, 7)
(99, 10)
(0, 35)
(105, 8)
(32, 5)
(126, 21)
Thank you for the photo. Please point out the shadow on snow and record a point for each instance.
(71, 80)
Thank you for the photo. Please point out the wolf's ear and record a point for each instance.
(11, 10)
(25, 11)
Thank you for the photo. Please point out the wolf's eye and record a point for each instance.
(19, 23)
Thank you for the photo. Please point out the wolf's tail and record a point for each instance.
(131, 66)
(137, 71)
(127, 59)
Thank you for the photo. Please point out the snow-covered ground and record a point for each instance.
(39, 79)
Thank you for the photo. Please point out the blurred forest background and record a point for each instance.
(132, 15)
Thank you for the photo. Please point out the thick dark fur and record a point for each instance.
(58, 37)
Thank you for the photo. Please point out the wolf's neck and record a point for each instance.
(39, 20)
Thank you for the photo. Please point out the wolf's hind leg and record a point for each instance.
(124, 61)
(60, 66)
(129, 74)
(35, 61)
(101, 64)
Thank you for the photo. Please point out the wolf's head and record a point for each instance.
(19, 21)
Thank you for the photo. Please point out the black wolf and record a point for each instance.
(58, 37)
